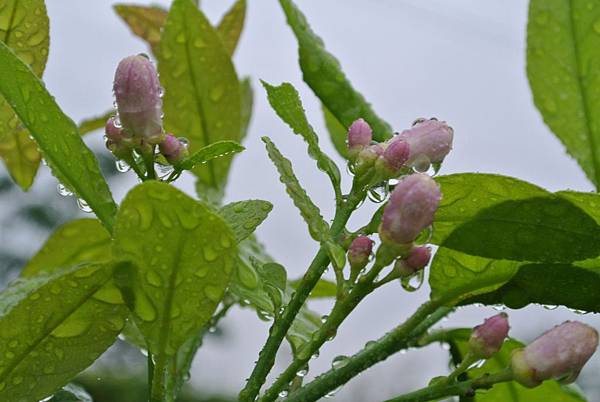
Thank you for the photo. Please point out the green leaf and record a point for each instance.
(231, 25)
(57, 136)
(52, 328)
(549, 391)
(91, 124)
(516, 220)
(284, 99)
(202, 92)
(243, 217)
(324, 75)
(337, 132)
(455, 276)
(212, 151)
(562, 46)
(76, 242)
(183, 256)
(145, 22)
(323, 290)
(25, 31)
(247, 103)
(337, 254)
(467, 194)
(317, 227)
(589, 202)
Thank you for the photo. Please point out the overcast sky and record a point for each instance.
(461, 61)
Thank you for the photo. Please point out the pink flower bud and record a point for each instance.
(410, 209)
(428, 139)
(359, 252)
(116, 141)
(487, 338)
(559, 353)
(359, 136)
(417, 259)
(137, 91)
(395, 155)
(173, 149)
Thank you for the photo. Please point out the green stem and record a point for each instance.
(280, 327)
(162, 377)
(148, 158)
(464, 388)
(150, 369)
(401, 337)
(462, 367)
(341, 310)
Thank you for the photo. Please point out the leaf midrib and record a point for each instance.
(10, 22)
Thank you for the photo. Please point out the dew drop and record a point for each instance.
(63, 190)
(283, 393)
(302, 372)
(122, 166)
(83, 205)
(339, 362)
(413, 283)
(421, 164)
(378, 194)
(154, 279)
(332, 393)
(324, 318)
(264, 315)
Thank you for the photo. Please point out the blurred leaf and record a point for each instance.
(455, 276)
(25, 31)
(549, 391)
(183, 259)
(243, 217)
(57, 136)
(467, 194)
(336, 253)
(76, 242)
(304, 326)
(562, 66)
(231, 25)
(323, 73)
(337, 132)
(284, 99)
(212, 151)
(87, 126)
(71, 393)
(324, 289)
(202, 92)
(68, 333)
(247, 101)
(517, 220)
(317, 227)
(145, 22)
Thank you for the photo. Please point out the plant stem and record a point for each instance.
(399, 338)
(462, 367)
(160, 391)
(277, 332)
(148, 158)
(464, 388)
(341, 310)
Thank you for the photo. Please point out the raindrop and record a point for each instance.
(418, 121)
(421, 164)
(63, 190)
(122, 166)
(302, 372)
(44, 162)
(499, 307)
(164, 170)
(161, 92)
(339, 362)
(264, 315)
(83, 205)
(283, 393)
(378, 194)
(212, 329)
(315, 355)
(184, 141)
(332, 393)
(117, 121)
(324, 318)
(413, 283)
(550, 307)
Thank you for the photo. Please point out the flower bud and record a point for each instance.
(428, 139)
(394, 156)
(366, 158)
(116, 141)
(359, 252)
(359, 136)
(417, 259)
(559, 353)
(137, 92)
(173, 149)
(487, 338)
(410, 209)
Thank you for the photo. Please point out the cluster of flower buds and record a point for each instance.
(559, 353)
(487, 338)
(138, 123)
(427, 142)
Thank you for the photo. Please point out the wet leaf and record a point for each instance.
(182, 257)
(212, 151)
(247, 103)
(563, 38)
(318, 228)
(202, 92)
(323, 74)
(323, 290)
(71, 393)
(243, 217)
(231, 25)
(25, 31)
(56, 135)
(284, 99)
(145, 22)
(53, 327)
(91, 124)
